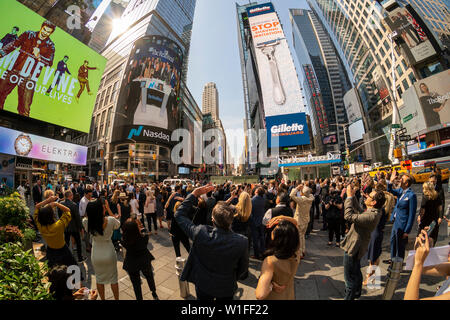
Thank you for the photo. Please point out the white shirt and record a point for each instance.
(134, 206)
(83, 204)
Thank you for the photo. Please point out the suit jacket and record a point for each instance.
(218, 257)
(37, 194)
(142, 199)
(357, 239)
(258, 210)
(75, 223)
(405, 209)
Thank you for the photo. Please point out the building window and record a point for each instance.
(399, 91)
(399, 70)
(412, 78)
(386, 45)
(405, 85)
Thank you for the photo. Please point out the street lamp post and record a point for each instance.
(345, 137)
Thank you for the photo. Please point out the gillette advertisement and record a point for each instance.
(278, 77)
(287, 130)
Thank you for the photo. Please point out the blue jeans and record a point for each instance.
(258, 238)
(353, 277)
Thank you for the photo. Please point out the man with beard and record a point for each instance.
(36, 49)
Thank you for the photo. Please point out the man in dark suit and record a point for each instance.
(256, 226)
(74, 228)
(37, 192)
(403, 214)
(219, 257)
(142, 198)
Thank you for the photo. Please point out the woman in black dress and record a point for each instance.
(138, 258)
(430, 210)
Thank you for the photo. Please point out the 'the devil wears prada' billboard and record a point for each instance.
(278, 78)
(150, 90)
(287, 130)
(45, 73)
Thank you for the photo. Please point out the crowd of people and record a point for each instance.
(220, 225)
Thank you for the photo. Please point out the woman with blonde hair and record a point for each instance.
(150, 211)
(430, 210)
(243, 211)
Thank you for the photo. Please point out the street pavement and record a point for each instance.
(320, 275)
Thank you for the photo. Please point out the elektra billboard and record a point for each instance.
(27, 145)
(150, 91)
(278, 78)
(45, 73)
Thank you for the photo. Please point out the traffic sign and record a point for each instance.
(406, 165)
(405, 138)
(396, 126)
(401, 131)
(408, 117)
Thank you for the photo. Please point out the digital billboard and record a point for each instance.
(27, 145)
(415, 43)
(45, 73)
(330, 139)
(277, 75)
(287, 130)
(434, 95)
(150, 91)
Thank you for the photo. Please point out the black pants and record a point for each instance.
(316, 206)
(136, 281)
(61, 256)
(204, 296)
(150, 217)
(77, 237)
(324, 217)
(343, 226)
(334, 229)
(352, 276)
(176, 244)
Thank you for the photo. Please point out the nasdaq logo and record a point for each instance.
(135, 132)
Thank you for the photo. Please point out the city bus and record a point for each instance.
(440, 155)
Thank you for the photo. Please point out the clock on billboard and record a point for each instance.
(23, 144)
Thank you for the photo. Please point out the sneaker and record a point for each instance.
(337, 245)
(329, 244)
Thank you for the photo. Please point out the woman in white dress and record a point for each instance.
(100, 223)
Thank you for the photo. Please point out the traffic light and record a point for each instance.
(132, 150)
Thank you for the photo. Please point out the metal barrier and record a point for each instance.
(393, 276)
(184, 285)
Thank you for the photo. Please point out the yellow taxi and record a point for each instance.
(424, 174)
(386, 169)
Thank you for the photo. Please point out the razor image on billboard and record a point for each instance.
(278, 78)
(45, 73)
(150, 91)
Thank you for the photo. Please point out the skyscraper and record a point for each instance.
(210, 100)
(361, 36)
(158, 26)
(321, 64)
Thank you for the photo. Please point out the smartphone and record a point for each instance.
(431, 228)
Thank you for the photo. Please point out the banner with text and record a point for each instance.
(45, 73)
(31, 146)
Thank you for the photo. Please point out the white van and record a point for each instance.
(173, 182)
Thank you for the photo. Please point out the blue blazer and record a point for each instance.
(405, 209)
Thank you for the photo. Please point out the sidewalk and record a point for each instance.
(320, 275)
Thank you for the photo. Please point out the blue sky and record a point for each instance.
(214, 56)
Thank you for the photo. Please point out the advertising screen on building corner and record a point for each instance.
(278, 77)
(150, 91)
(45, 73)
